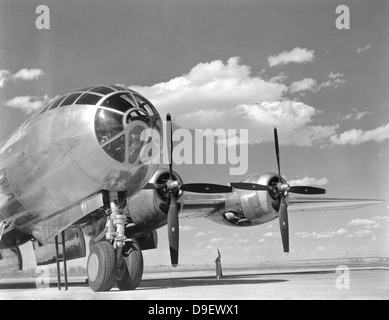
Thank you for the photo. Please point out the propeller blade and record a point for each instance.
(173, 230)
(154, 186)
(170, 143)
(277, 152)
(307, 190)
(250, 186)
(284, 223)
(206, 188)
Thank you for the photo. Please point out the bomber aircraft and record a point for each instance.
(74, 167)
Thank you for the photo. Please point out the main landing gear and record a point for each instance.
(117, 260)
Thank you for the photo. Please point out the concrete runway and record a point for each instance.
(235, 285)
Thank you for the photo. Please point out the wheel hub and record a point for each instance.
(93, 267)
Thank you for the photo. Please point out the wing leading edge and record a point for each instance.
(303, 204)
(204, 205)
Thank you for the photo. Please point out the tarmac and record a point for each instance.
(325, 284)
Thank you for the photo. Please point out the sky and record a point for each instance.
(247, 64)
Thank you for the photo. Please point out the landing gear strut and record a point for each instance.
(117, 260)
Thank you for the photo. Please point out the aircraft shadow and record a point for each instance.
(152, 284)
(164, 283)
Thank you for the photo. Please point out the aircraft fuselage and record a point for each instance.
(68, 152)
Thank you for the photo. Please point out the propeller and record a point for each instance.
(174, 187)
(281, 191)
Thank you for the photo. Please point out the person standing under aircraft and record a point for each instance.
(219, 271)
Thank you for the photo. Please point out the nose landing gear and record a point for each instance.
(117, 260)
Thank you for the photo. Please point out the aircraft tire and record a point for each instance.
(130, 274)
(101, 267)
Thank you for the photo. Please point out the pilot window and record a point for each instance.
(102, 90)
(88, 98)
(144, 104)
(70, 99)
(121, 102)
(57, 102)
(46, 108)
(116, 148)
(108, 124)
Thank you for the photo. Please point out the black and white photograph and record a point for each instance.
(194, 154)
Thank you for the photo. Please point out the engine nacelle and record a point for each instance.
(248, 208)
(148, 208)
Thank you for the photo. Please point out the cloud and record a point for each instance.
(4, 75)
(335, 75)
(358, 136)
(361, 222)
(23, 74)
(356, 115)
(297, 55)
(216, 240)
(307, 84)
(281, 77)
(28, 104)
(271, 235)
(216, 95)
(367, 224)
(336, 80)
(293, 117)
(27, 74)
(360, 115)
(200, 234)
(322, 235)
(360, 50)
(185, 229)
(211, 88)
(204, 234)
(309, 181)
(261, 240)
(359, 234)
(382, 218)
(243, 240)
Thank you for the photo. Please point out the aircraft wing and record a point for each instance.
(302, 204)
(202, 205)
(205, 205)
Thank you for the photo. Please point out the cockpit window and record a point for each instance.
(116, 148)
(121, 102)
(86, 89)
(144, 104)
(102, 89)
(108, 124)
(46, 108)
(70, 99)
(88, 98)
(119, 88)
(122, 124)
(57, 102)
